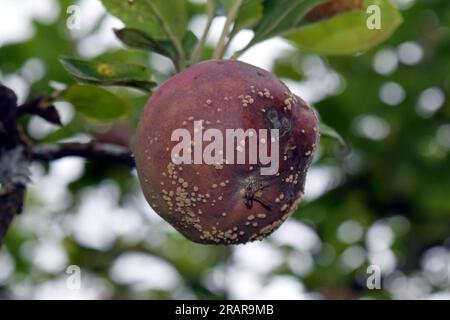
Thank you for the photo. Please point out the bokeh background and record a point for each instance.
(385, 202)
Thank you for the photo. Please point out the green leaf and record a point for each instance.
(189, 41)
(139, 15)
(250, 12)
(227, 4)
(347, 33)
(249, 15)
(138, 39)
(126, 56)
(109, 74)
(96, 103)
(281, 16)
(327, 131)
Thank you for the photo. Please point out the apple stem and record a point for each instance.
(198, 51)
(222, 45)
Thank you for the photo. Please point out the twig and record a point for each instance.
(227, 44)
(94, 151)
(220, 50)
(16, 152)
(196, 54)
(11, 199)
(168, 30)
(41, 106)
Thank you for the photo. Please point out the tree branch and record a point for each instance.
(16, 152)
(13, 158)
(94, 151)
(11, 203)
(41, 106)
(12, 194)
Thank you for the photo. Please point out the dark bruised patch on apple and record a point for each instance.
(277, 119)
(254, 191)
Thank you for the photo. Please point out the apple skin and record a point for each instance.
(212, 204)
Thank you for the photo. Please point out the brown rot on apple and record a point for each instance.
(332, 8)
(218, 191)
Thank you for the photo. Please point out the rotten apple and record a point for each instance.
(225, 201)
